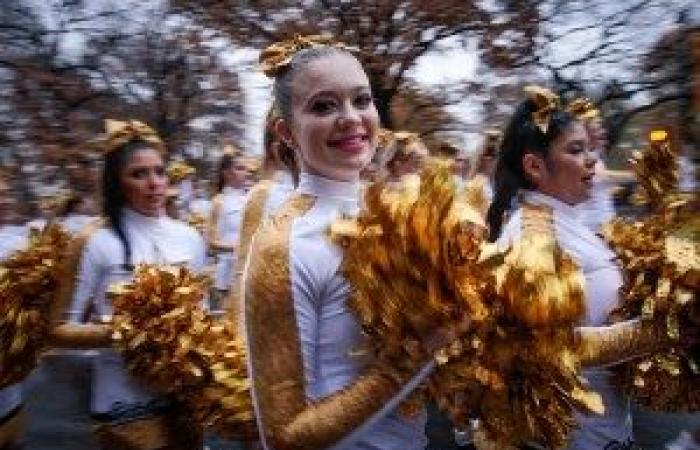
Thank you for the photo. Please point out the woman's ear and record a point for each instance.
(284, 133)
(534, 168)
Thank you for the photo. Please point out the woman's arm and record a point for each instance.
(620, 342)
(287, 419)
(85, 284)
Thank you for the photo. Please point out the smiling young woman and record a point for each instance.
(311, 390)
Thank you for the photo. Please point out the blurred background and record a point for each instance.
(447, 70)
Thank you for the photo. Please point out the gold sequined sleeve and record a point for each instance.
(286, 418)
(614, 344)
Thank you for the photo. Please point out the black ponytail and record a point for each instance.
(225, 163)
(113, 200)
(521, 136)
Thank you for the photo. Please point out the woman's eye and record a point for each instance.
(576, 148)
(138, 173)
(160, 171)
(363, 101)
(322, 106)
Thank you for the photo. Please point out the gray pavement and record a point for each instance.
(58, 413)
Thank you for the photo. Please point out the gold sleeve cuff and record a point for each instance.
(73, 335)
(615, 344)
(325, 423)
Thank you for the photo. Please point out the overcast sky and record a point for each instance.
(452, 62)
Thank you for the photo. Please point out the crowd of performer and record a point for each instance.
(280, 279)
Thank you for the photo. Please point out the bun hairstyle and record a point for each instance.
(536, 123)
(282, 61)
(122, 141)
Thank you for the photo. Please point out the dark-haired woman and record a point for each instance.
(129, 415)
(281, 173)
(545, 168)
(225, 221)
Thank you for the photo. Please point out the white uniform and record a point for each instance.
(228, 229)
(280, 191)
(74, 223)
(201, 206)
(603, 279)
(328, 329)
(152, 240)
(12, 237)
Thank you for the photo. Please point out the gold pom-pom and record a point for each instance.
(170, 342)
(417, 260)
(28, 282)
(660, 255)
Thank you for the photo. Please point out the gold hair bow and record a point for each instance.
(121, 132)
(583, 109)
(546, 102)
(179, 170)
(280, 54)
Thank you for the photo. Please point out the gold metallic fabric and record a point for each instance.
(252, 217)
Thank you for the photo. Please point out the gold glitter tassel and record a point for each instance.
(417, 260)
(28, 283)
(170, 342)
(660, 257)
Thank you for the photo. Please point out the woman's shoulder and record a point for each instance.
(182, 230)
(276, 231)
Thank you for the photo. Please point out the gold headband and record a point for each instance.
(546, 102)
(279, 55)
(583, 109)
(120, 133)
(178, 171)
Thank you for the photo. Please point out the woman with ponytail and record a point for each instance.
(545, 169)
(130, 416)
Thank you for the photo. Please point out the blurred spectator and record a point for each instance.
(485, 163)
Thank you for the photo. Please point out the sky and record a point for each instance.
(451, 62)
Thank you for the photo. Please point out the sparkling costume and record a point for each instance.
(603, 278)
(310, 390)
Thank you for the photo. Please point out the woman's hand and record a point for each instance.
(444, 336)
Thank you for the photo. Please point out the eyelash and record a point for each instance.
(142, 173)
(326, 106)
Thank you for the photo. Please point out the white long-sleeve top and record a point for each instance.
(152, 240)
(12, 237)
(280, 192)
(328, 329)
(228, 229)
(603, 278)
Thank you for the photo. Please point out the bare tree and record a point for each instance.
(393, 34)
